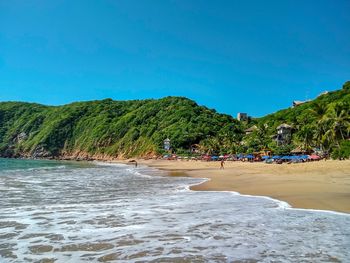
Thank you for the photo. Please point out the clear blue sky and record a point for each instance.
(248, 56)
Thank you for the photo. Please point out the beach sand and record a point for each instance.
(323, 185)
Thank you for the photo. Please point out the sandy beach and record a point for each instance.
(323, 185)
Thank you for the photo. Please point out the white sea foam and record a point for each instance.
(100, 163)
(46, 168)
(114, 212)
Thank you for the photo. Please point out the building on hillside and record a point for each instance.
(242, 116)
(167, 144)
(250, 130)
(297, 103)
(284, 134)
(323, 93)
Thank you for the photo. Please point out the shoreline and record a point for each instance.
(322, 185)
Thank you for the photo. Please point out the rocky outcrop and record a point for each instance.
(41, 152)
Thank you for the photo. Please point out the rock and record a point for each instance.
(20, 137)
(40, 152)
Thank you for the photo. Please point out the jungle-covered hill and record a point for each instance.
(109, 129)
(118, 129)
(322, 123)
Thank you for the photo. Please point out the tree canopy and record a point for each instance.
(108, 128)
(111, 128)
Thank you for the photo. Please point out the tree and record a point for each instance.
(306, 136)
(338, 122)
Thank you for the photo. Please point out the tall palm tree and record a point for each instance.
(210, 145)
(262, 135)
(318, 111)
(306, 136)
(339, 121)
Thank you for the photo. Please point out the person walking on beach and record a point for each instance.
(222, 164)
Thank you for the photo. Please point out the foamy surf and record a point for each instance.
(113, 213)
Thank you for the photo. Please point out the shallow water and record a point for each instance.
(72, 213)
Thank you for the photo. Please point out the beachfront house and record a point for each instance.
(284, 134)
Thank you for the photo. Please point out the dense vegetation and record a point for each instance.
(323, 124)
(107, 128)
(110, 128)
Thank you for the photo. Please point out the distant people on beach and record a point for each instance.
(133, 161)
(222, 164)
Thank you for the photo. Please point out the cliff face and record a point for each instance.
(107, 129)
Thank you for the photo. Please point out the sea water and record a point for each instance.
(71, 212)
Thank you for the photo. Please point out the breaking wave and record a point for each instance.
(119, 213)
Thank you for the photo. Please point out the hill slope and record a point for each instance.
(109, 129)
(322, 123)
(115, 129)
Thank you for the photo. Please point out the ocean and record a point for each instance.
(53, 211)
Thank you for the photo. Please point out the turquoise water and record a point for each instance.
(52, 211)
(22, 164)
(15, 164)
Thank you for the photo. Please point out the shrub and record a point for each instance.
(343, 152)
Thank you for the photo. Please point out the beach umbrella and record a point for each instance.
(276, 157)
(265, 157)
(314, 157)
(250, 156)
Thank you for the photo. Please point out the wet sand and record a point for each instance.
(323, 185)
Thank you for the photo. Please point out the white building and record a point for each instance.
(284, 134)
(242, 116)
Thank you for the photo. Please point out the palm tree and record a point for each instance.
(318, 111)
(306, 136)
(339, 121)
(210, 145)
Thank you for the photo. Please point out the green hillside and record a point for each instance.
(107, 128)
(322, 123)
(119, 129)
